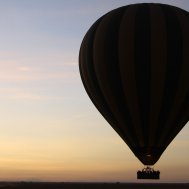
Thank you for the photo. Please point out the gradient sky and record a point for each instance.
(49, 128)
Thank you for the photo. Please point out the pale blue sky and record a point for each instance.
(49, 128)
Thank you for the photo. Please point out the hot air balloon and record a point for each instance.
(134, 64)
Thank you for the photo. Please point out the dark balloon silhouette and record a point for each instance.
(134, 64)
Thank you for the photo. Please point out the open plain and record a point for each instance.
(69, 185)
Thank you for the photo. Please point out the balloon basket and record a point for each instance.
(148, 173)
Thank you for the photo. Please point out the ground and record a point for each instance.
(65, 185)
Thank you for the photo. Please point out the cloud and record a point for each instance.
(25, 95)
(14, 77)
(13, 72)
(19, 67)
(24, 69)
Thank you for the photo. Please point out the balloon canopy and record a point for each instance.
(134, 64)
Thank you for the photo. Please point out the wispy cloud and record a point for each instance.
(24, 69)
(17, 77)
(25, 95)
(15, 67)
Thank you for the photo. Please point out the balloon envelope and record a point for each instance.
(134, 64)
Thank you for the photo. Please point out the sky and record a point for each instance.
(49, 128)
